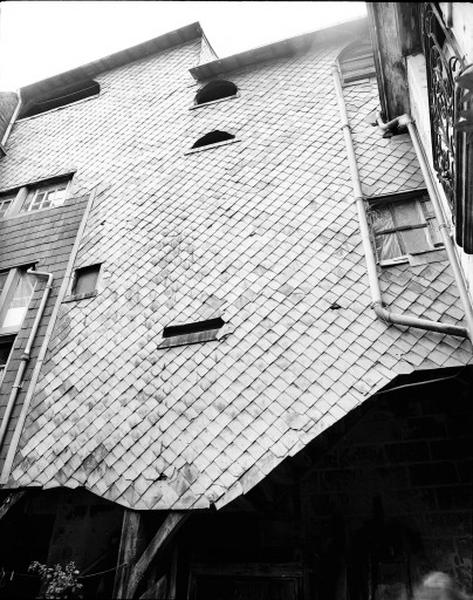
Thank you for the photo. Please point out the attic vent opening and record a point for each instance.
(213, 138)
(194, 327)
(215, 90)
(356, 62)
(60, 96)
(191, 333)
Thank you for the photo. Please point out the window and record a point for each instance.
(214, 137)
(6, 345)
(403, 224)
(85, 281)
(45, 196)
(33, 197)
(16, 290)
(215, 90)
(16, 287)
(191, 333)
(6, 202)
(60, 96)
(356, 62)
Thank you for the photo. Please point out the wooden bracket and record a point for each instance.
(10, 501)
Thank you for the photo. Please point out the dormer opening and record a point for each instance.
(215, 90)
(60, 96)
(214, 137)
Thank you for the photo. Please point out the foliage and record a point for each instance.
(58, 582)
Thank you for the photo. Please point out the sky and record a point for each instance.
(40, 39)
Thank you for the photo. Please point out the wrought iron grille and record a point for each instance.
(442, 67)
(450, 87)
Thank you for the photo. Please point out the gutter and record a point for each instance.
(25, 357)
(376, 295)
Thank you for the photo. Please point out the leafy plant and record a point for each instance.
(58, 582)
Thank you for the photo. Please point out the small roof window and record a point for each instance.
(356, 62)
(85, 281)
(215, 90)
(191, 333)
(213, 138)
(60, 97)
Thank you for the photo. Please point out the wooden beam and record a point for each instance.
(10, 501)
(156, 591)
(172, 583)
(128, 551)
(161, 539)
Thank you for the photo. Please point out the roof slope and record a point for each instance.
(264, 233)
(117, 59)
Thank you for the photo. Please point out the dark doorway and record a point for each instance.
(245, 588)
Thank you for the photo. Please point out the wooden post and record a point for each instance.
(157, 591)
(128, 551)
(172, 582)
(163, 536)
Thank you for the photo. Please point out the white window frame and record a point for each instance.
(12, 280)
(414, 196)
(18, 196)
(47, 189)
(4, 369)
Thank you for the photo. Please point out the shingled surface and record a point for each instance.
(261, 232)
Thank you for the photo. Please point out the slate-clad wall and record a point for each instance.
(262, 232)
(45, 239)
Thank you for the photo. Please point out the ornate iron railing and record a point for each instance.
(442, 67)
(450, 89)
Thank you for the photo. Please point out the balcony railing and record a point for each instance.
(451, 120)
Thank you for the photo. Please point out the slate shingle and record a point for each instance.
(262, 233)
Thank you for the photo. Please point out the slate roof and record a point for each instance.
(264, 234)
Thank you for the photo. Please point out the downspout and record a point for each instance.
(376, 295)
(12, 121)
(47, 336)
(25, 357)
(408, 121)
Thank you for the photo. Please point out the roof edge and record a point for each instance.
(114, 60)
(281, 48)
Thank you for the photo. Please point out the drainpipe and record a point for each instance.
(15, 440)
(376, 295)
(408, 121)
(26, 354)
(12, 121)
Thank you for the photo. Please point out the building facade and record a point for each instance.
(223, 398)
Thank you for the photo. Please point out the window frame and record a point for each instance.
(13, 277)
(4, 369)
(386, 201)
(210, 102)
(193, 332)
(11, 283)
(20, 194)
(72, 296)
